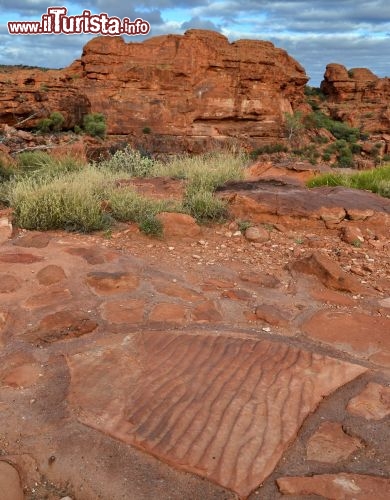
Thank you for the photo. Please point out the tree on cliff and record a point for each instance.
(293, 126)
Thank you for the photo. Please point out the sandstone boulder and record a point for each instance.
(185, 90)
(358, 96)
(178, 225)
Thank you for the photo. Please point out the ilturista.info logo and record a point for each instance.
(57, 22)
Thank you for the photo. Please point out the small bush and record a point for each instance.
(146, 130)
(95, 124)
(204, 206)
(345, 160)
(44, 125)
(243, 225)
(130, 161)
(128, 205)
(268, 149)
(208, 170)
(294, 125)
(314, 92)
(376, 180)
(53, 123)
(57, 121)
(71, 201)
(339, 129)
(151, 226)
(41, 163)
(321, 139)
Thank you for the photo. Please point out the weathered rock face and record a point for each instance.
(27, 96)
(358, 96)
(181, 89)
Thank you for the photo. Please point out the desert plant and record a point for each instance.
(54, 123)
(293, 125)
(204, 206)
(41, 163)
(151, 226)
(209, 169)
(44, 125)
(243, 225)
(95, 124)
(130, 161)
(340, 130)
(268, 149)
(376, 180)
(57, 121)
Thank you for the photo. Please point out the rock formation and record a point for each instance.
(359, 97)
(176, 90)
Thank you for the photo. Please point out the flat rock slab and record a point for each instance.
(222, 407)
(337, 486)
(330, 444)
(104, 283)
(33, 240)
(360, 334)
(328, 272)
(10, 487)
(281, 198)
(19, 258)
(373, 403)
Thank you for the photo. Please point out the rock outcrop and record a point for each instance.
(359, 97)
(174, 90)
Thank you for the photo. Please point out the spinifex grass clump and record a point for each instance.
(128, 205)
(131, 162)
(204, 173)
(376, 180)
(41, 163)
(61, 193)
(69, 201)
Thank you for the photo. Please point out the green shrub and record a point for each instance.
(384, 188)
(268, 149)
(376, 180)
(314, 92)
(293, 125)
(41, 163)
(345, 160)
(146, 130)
(206, 170)
(44, 125)
(95, 124)
(309, 152)
(54, 123)
(128, 205)
(339, 129)
(57, 121)
(71, 201)
(130, 161)
(243, 225)
(321, 139)
(204, 206)
(152, 226)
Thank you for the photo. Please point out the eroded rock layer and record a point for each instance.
(174, 89)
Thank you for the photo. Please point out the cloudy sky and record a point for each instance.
(355, 33)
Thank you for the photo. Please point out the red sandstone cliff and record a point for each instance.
(184, 89)
(359, 97)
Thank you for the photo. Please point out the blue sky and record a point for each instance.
(355, 33)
